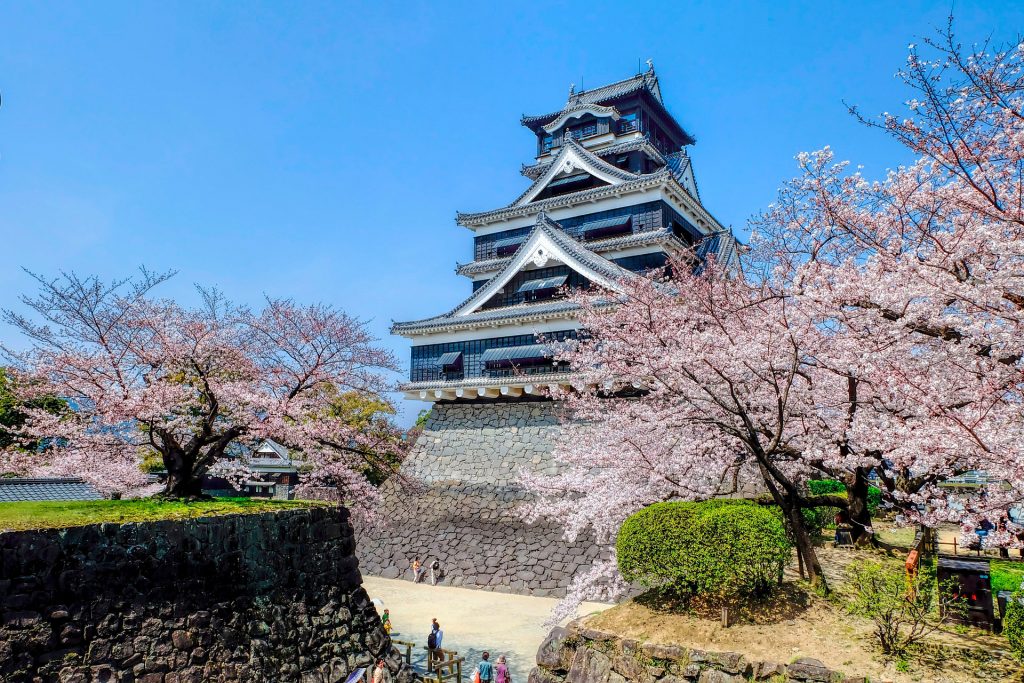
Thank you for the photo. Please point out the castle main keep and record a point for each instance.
(611, 192)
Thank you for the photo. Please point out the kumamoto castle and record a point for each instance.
(612, 191)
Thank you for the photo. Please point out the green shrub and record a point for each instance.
(715, 547)
(820, 518)
(1013, 623)
(903, 609)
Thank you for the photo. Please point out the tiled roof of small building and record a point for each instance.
(46, 489)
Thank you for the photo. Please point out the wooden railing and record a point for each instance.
(443, 666)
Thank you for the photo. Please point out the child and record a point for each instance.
(485, 669)
(501, 674)
(386, 622)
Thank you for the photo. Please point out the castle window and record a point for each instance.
(628, 123)
(542, 284)
(609, 227)
(508, 246)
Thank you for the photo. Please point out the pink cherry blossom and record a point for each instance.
(197, 386)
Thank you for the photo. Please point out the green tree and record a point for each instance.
(12, 410)
(371, 415)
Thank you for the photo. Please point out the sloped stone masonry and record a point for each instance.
(268, 598)
(467, 461)
(577, 654)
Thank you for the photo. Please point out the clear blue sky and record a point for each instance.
(320, 150)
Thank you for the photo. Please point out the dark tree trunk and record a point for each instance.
(805, 548)
(801, 539)
(182, 481)
(857, 509)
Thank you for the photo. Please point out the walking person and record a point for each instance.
(435, 569)
(501, 674)
(485, 670)
(416, 567)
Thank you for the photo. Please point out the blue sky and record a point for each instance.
(320, 150)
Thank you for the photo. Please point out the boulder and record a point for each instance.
(809, 669)
(551, 654)
(589, 666)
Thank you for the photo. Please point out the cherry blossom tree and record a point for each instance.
(198, 386)
(686, 389)
(920, 279)
(876, 327)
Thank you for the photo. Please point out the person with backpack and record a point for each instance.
(434, 641)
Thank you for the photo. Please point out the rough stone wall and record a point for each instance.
(467, 462)
(269, 597)
(577, 654)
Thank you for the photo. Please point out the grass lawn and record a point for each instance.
(1006, 576)
(51, 515)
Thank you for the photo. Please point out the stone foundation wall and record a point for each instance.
(577, 654)
(269, 597)
(465, 514)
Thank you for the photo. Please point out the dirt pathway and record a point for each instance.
(472, 620)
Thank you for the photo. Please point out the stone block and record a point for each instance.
(809, 669)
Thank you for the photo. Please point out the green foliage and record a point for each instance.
(152, 462)
(51, 515)
(903, 609)
(12, 409)
(817, 519)
(1013, 623)
(716, 547)
(422, 417)
(370, 415)
(1006, 576)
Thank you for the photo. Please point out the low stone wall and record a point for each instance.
(577, 654)
(269, 597)
(466, 464)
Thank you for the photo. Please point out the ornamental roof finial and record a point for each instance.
(572, 90)
(650, 65)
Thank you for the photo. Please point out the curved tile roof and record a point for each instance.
(641, 182)
(638, 239)
(645, 81)
(570, 251)
(534, 171)
(591, 163)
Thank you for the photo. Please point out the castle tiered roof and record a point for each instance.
(612, 195)
(642, 83)
(547, 243)
(642, 144)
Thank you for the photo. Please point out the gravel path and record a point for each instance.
(472, 621)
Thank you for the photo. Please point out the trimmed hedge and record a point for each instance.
(715, 547)
(1013, 623)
